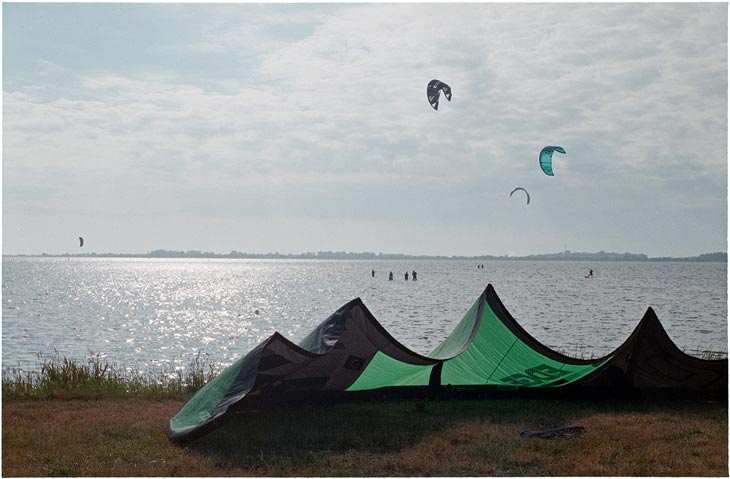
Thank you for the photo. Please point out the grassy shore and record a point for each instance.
(125, 436)
(90, 418)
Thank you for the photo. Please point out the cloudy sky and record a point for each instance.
(303, 127)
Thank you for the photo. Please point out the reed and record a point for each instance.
(579, 352)
(64, 378)
(711, 355)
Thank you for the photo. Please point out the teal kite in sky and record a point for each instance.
(546, 158)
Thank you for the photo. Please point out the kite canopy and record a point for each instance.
(433, 91)
(546, 158)
(81, 242)
(520, 188)
(351, 352)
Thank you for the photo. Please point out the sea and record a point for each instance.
(159, 314)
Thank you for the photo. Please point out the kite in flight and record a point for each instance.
(433, 91)
(520, 188)
(81, 242)
(546, 158)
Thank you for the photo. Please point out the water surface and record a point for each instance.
(151, 313)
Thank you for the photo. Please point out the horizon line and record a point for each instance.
(329, 254)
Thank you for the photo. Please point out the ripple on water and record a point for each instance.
(170, 309)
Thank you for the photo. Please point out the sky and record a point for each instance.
(305, 127)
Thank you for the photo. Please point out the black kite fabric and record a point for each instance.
(350, 352)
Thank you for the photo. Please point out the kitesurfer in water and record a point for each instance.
(406, 275)
(590, 273)
(390, 276)
(372, 273)
(414, 275)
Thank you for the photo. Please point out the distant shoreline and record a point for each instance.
(719, 257)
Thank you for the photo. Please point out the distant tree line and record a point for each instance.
(562, 256)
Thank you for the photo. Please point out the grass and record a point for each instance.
(64, 378)
(711, 355)
(581, 353)
(95, 419)
(126, 437)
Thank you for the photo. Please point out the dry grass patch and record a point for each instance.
(90, 438)
(125, 437)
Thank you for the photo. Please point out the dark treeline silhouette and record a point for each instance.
(562, 256)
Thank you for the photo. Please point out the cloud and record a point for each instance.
(318, 121)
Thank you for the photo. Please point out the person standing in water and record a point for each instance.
(372, 273)
(414, 275)
(390, 276)
(406, 275)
